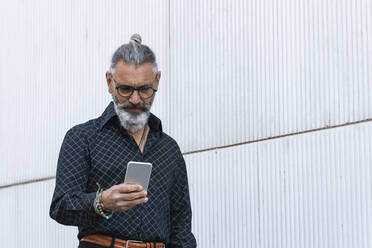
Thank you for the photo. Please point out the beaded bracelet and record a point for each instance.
(98, 204)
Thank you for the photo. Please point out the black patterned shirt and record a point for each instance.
(98, 151)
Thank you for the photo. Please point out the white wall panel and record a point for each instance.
(311, 190)
(224, 195)
(243, 70)
(26, 222)
(53, 59)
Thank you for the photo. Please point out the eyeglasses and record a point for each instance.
(144, 91)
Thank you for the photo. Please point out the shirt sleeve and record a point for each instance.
(180, 212)
(71, 204)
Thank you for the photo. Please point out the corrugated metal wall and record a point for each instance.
(26, 222)
(54, 58)
(247, 70)
(310, 190)
(247, 89)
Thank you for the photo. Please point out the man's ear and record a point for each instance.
(158, 76)
(108, 79)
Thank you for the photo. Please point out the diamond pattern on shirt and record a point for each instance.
(98, 151)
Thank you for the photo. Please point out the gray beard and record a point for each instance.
(132, 121)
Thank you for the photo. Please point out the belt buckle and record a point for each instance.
(132, 241)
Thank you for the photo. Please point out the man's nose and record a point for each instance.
(135, 98)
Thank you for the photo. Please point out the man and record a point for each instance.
(90, 192)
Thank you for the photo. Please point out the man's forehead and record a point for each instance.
(123, 69)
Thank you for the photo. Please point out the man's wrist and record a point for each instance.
(103, 199)
(98, 205)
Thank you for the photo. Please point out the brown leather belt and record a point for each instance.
(104, 240)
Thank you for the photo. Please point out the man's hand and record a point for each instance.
(124, 196)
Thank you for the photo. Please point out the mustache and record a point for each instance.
(128, 105)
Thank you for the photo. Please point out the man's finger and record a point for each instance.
(127, 188)
(131, 196)
(130, 204)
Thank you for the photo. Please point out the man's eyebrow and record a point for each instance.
(127, 85)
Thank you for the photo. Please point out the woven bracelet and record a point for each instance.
(98, 204)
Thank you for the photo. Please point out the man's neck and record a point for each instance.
(138, 134)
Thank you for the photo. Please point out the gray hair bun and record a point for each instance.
(136, 39)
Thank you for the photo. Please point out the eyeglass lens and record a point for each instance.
(127, 91)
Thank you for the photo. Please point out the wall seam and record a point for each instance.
(278, 137)
(217, 148)
(27, 182)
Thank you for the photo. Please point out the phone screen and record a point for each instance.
(139, 173)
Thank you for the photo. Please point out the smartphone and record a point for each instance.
(139, 173)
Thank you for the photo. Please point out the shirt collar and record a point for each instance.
(109, 113)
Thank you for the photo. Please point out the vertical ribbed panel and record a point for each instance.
(308, 190)
(311, 190)
(54, 55)
(224, 196)
(25, 221)
(243, 70)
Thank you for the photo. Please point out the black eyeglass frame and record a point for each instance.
(138, 89)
